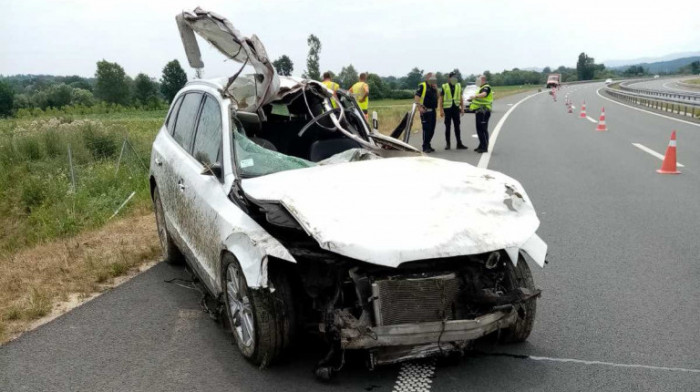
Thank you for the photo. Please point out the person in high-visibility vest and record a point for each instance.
(427, 99)
(360, 91)
(333, 86)
(481, 106)
(451, 107)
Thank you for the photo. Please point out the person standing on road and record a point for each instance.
(360, 91)
(333, 86)
(481, 106)
(451, 106)
(427, 99)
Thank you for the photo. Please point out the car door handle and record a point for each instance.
(181, 186)
(158, 162)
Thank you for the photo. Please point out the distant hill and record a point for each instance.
(670, 66)
(673, 56)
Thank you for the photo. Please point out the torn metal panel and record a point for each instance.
(414, 208)
(219, 32)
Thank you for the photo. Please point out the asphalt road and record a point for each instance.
(622, 286)
(666, 84)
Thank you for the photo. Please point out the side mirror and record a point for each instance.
(212, 170)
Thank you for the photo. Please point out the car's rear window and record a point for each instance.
(187, 115)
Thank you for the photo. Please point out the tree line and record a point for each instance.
(109, 86)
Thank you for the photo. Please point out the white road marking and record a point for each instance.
(415, 376)
(510, 104)
(624, 365)
(646, 111)
(486, 157)
(475, 135)
(591, 119)
(653, 153)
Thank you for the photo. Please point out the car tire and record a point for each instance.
(270, 313)
(520, 276)
(171, 254)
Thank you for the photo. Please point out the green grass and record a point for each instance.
(692, 81)
(37, 201)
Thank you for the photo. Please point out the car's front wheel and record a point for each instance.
(262, 320)
(171, 254)
(520, 276)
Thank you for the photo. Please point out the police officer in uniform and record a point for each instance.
(427, 99)
(481, 105)
(360, 91)
(333, 86)
(451, 105)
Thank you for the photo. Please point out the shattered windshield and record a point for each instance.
(253, 160)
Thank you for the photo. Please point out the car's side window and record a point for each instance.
(186, 117)
(170, 122)
(207, 143)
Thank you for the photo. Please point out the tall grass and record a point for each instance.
(37, 199)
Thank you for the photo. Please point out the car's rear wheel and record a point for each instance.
(520, 276)
(171, 254)
(262, 320)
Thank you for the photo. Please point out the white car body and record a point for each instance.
(380, 205)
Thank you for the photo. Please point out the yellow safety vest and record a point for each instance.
(422, 95)
(484, 102)
(333, 86)
(358, 89)
(448, 100)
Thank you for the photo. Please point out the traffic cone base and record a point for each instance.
(669, 164)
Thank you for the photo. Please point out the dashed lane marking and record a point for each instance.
(653, 153)
(613, 364)
(591, 119)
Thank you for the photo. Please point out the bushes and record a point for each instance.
(37, 201)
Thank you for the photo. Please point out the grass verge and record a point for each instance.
(35, 281)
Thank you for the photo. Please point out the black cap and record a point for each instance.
(453, 73)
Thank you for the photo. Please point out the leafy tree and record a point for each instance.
(546, 70)
(585, 67)
(695, 67)
(377, 89)
(347, 76)
(173, 79)
(312, 66)
(82, 97)
(489, 76)
(59, 95)
(284, 65)
(7, 96)
(111, 83)
(413, 78)
(145, 90)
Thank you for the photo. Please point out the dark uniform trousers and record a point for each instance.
(452, 116)
(482, 127)
(428, 121)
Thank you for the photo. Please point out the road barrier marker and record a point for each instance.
(601, 123)
(669, 164)
(652, 152)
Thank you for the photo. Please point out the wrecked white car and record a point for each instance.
(297, 217)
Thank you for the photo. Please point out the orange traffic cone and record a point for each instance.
(669, 164)
(583, 110)
(601, 122)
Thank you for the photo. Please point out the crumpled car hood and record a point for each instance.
(390, 211)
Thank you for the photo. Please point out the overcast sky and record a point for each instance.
(66, 37)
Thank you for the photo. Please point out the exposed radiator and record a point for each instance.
(405, 301)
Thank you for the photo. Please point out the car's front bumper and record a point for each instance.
(426, 333)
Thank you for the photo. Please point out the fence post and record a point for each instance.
(119, 160)
(70, 163)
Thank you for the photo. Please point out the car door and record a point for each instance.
(172, 158)
(205, 196)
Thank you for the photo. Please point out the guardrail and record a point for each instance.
(680, 107)
(677, 96)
